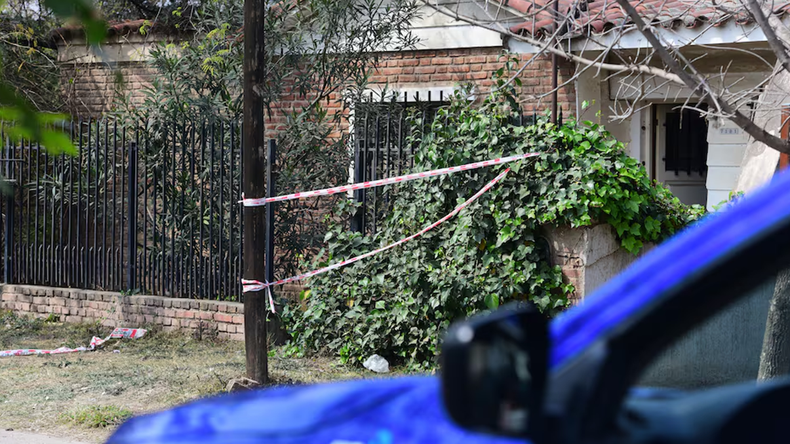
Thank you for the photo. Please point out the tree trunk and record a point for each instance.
(775, 357)
(757, 168)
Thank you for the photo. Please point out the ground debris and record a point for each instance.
(240, 384)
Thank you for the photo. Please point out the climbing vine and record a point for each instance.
(398, 303)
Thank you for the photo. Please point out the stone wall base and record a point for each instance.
(117, 310)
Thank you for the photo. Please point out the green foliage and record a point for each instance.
(493, 252)
(731, 199)
(12, 321)
(84, 12)
(97, 416)
(29, 74)
(316, 50)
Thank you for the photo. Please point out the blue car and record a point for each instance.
(512, 377)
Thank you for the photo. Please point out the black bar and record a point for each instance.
(95, 258)
(131, 270)
(203, 282)
(163, 272)
(44, 256)
(182, 281)
(241, 211)
(221, 291)
(358, 219)
(193, 204)
(116, 272)
(233, 274)
(104, 255)
(146, 285)
(123, 204)
(212, 285)
(374, 172)
(36, 256)
(173, 286)
(9, 230)
(401, 119)
(61, 270)
(156, 240)
(70, 278)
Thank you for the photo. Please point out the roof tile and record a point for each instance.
(582, 17)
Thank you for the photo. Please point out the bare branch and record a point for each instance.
(776, 45)
(651, 70)
(699, 86)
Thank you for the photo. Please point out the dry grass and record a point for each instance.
(74, 395)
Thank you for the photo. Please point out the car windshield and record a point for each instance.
(724, 349)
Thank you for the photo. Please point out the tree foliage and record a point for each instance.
(316, 50)
(396, 304)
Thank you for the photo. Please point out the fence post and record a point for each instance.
(358, 219)
(131, 272)
(9, 238)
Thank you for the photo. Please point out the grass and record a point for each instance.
(97, 416)
(82, 396)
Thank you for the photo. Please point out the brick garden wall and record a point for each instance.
(447, 68)
(93, 89)
(116, 310)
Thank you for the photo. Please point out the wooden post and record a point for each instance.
(271, 191)
(254, 161)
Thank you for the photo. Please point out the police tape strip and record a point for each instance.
(118, 333)
(252, 285)
(256, 202)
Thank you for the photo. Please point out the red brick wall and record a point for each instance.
(447, 68)
(116, 310)
(92, 89)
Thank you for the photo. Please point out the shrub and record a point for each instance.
(396, 304)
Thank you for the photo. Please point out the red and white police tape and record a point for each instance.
(128, 333)
(252, 285)
(256, 202)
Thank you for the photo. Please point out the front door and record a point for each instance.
(681, 152)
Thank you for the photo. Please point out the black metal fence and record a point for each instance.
(155, 209)
(384, 147)
(151, 209)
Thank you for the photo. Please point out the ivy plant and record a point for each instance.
(397, 304)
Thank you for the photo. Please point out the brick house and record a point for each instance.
(702, 171)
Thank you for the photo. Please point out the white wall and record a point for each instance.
(590, 88)
(726, 144)
(438, 31)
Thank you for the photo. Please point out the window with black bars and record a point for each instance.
(686, 142)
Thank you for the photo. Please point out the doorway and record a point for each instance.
(680, 152)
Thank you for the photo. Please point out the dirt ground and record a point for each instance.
(83, 396)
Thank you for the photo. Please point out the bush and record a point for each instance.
(396, 304)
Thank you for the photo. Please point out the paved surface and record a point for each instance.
(29, 438)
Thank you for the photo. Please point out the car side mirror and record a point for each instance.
(493, 371)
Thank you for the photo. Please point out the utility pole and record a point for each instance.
(254, 185)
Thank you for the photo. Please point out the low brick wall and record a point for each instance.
(117, 310)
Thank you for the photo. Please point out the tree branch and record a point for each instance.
(651, 70)
(700, 87)
(773, 41)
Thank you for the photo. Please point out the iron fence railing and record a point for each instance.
(155, 209)
(384, 147)
(149, 209)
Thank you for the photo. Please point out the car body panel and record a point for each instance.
(398, 410)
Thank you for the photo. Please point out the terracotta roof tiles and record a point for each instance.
(598, 16)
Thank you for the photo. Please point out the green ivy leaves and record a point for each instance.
(494, 251)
